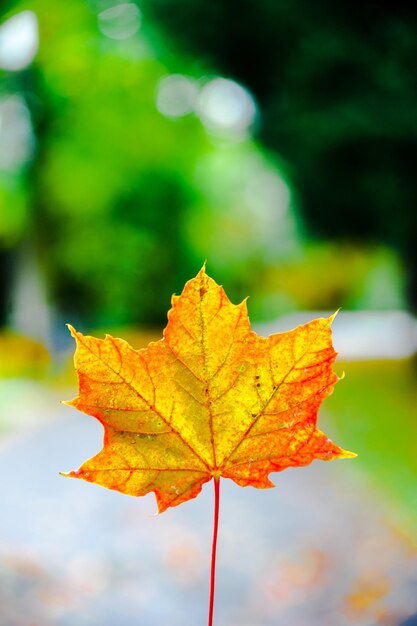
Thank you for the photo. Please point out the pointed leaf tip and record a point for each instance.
(349, 455)
(72, 330)
(332, 317)
(202, 270)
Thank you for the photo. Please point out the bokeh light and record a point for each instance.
(226, 107)
(120, 21)
(177, 95)
(19, 41)
(16, 136)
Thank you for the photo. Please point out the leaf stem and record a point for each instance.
(214, 548)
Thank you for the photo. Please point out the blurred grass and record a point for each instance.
(373, 410)
(22, 357)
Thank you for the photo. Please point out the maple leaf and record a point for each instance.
(211, 399)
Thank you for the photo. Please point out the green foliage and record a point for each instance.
(336, 86)
(118, 196)
(367, 417)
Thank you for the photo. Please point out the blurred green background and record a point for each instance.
(138, 141)
(276, 140)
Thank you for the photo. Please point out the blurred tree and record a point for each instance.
(126, 202)
(121, 195)
(108, 186)
(337, 88)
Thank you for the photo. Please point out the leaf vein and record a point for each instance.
(174, 430)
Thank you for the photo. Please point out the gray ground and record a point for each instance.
(322, 549)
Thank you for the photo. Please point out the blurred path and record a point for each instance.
(320, 550)
(360, 335)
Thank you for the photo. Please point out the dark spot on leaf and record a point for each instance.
(203, 291)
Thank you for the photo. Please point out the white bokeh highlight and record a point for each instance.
(224, 105)
(121, 21)
(176, 95)
(16, 134)
(19, 41)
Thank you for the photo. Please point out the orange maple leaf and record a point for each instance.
(211, 399)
